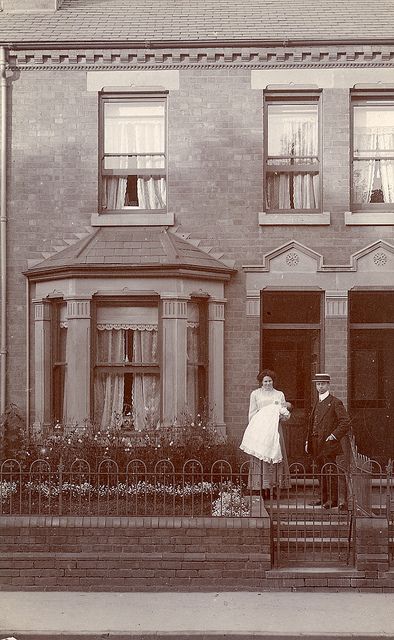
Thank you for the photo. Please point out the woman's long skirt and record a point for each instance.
(266, 475)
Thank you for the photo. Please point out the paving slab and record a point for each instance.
(77, 615)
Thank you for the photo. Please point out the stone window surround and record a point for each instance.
(286, 95)
(356, 79)
(132, 217)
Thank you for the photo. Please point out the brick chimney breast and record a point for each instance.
(30, 6)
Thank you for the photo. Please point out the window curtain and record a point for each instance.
(145, 386)
(192, 368)
(368, 173)
(109, 386)
(135, 136)
(295, 190)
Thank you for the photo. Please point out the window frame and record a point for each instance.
(57, 364)
(130, 215)
(358, 331)
(203, 352)
(139, 300)
(307, 97)
(366, 97)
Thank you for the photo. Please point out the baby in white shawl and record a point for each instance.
(261, 437)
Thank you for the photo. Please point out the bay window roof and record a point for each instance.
(133, 250)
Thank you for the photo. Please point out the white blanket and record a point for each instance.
(261, 437)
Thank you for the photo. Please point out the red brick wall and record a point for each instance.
(147, 553)
(215, 187)
(164, 554)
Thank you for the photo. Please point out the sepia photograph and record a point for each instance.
(196, 319)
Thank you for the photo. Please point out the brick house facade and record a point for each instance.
(258, 250)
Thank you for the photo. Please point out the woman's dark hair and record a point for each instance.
(266, 372)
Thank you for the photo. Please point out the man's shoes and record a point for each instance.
(342, 507)
(329, 505)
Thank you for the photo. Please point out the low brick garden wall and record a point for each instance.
(174, 554)
(133, 554)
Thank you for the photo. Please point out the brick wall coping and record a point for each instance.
(148, 522)
(36, 556)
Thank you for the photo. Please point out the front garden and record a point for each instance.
(185, 469)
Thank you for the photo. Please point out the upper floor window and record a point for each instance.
(292, 167)
(133, 153)
(373, 154)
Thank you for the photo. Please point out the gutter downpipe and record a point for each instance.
(3, 231)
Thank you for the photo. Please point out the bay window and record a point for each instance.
(292, 167)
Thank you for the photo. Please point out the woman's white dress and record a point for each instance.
(263, 439)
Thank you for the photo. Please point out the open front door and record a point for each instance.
(291, 344)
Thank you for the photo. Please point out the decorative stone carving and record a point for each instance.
(253, 306)
(380, 259)
(336, 304)
(292, 259)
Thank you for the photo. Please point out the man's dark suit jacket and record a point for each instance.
(333, 420)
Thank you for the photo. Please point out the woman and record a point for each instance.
(263, 438)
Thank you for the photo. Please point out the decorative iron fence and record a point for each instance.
(133, 491)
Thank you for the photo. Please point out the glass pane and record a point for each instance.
(292, 129)
(292, 190)
(129, 401)
(62, 340)
(291, 308)
(373, 181)
(134, 127)
(147, 192)
(373, 131)
(377, 307)
(365, 374)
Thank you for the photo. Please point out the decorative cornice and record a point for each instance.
(209, 57)
(381, 250)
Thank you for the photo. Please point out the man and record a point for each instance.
(329, 423)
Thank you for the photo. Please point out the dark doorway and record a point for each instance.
(371, 388)
(291, 346)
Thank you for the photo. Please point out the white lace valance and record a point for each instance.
(110, 326)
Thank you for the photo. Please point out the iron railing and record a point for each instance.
(135, 490)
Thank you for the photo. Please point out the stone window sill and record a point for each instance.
(369, 218)
(132, 219)
(275, 219)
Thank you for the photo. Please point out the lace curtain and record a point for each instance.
(135, 136)
(374, 174)
(292, 190)
(110, 387)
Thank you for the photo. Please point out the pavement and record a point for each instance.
(201, 616)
